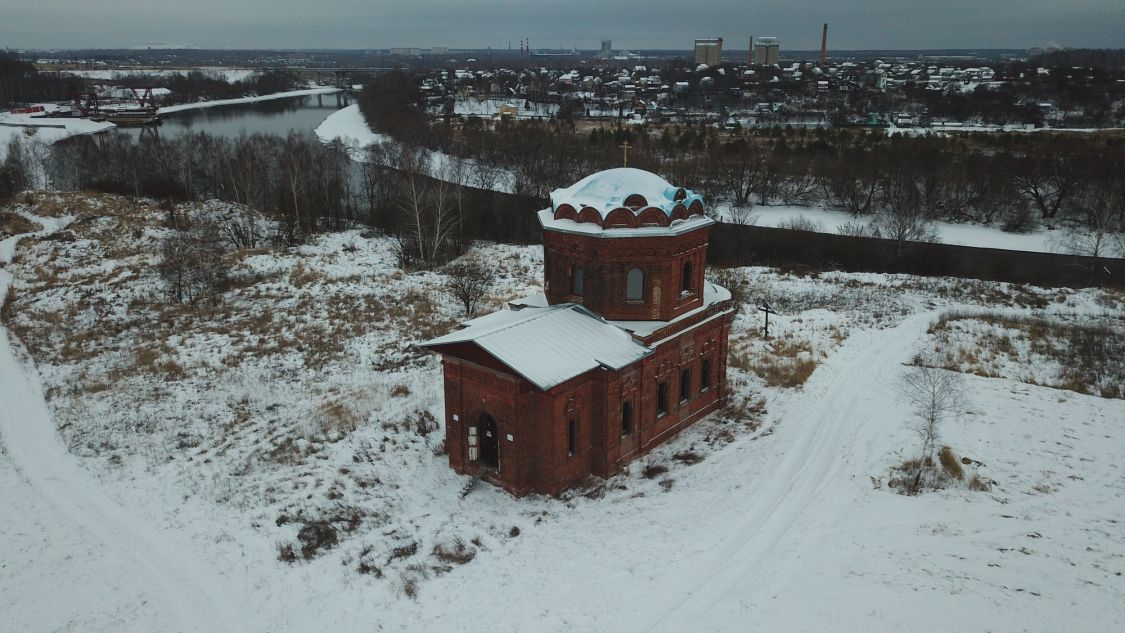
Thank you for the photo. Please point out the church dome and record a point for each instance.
(625, 197)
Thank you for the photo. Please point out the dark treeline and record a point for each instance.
(196, 85)
(20, 83)
(306, 185)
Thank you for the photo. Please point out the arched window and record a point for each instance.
(635, 288)
(576, 280)
(686, 284)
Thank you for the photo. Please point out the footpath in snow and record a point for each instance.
(70, 553)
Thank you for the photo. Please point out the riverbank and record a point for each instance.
(348, 126)
(33, 127)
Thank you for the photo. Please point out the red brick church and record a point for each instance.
(625, 347)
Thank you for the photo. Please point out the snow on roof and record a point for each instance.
(548, 220)
(712, 294)
(551, 345)
(608, 190)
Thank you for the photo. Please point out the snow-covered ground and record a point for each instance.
(1040, 240)
(223, 102)
(229, 75)
(944, 130)
(490, 107)
(348, 126)
(31, 127)
(212, 438)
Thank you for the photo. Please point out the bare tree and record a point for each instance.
(192, 265)
(1102, 234)
(240, 225)
(1049, 179)
(935, 396)
(469, 279)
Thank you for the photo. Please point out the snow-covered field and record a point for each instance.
(229, 75)
(945, 130)
(156, 462)
(1041, 240)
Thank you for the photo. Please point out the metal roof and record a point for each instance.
(550, 345)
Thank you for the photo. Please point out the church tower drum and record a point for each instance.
(626, 244)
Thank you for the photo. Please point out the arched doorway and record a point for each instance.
(489, 441)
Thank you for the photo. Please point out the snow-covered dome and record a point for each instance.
(625, 197)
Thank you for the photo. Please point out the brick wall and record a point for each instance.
(606, 264)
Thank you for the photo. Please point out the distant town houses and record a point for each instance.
(798, 93)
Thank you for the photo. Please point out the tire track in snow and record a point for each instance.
(183, 587)
(815, 461)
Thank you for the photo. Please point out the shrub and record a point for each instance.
(316, 536)
(800, 223)
(403, 551)
(652, 471)
(457, 553)
(192, 265)
(854, 229)
(688, 457)
(950, 464)
(286, 554)
(1020, 219)
(982, 485)
(733, 280)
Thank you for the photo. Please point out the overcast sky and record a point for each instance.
(632, 24)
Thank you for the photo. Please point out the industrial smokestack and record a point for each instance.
(750, 54)
(824, 45)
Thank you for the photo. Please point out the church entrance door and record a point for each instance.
(489, 441)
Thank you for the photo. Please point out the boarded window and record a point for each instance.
(705, 375)
(572, 438)
(662, 399)
(685, 385)
(576, 280)
(626, 418)
(635, 287)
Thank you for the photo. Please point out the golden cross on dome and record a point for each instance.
(625, 160)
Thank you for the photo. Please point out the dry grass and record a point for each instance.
(652, 471)
(688, 457)
(15, 224)
(457, 553)
(950, 464)
(788, 363)
(785, 372)
(1092, 356)
(979, 485)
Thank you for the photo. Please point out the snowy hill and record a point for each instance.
(161, 466)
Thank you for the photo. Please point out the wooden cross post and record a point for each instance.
(625, 146)
(765, 307)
